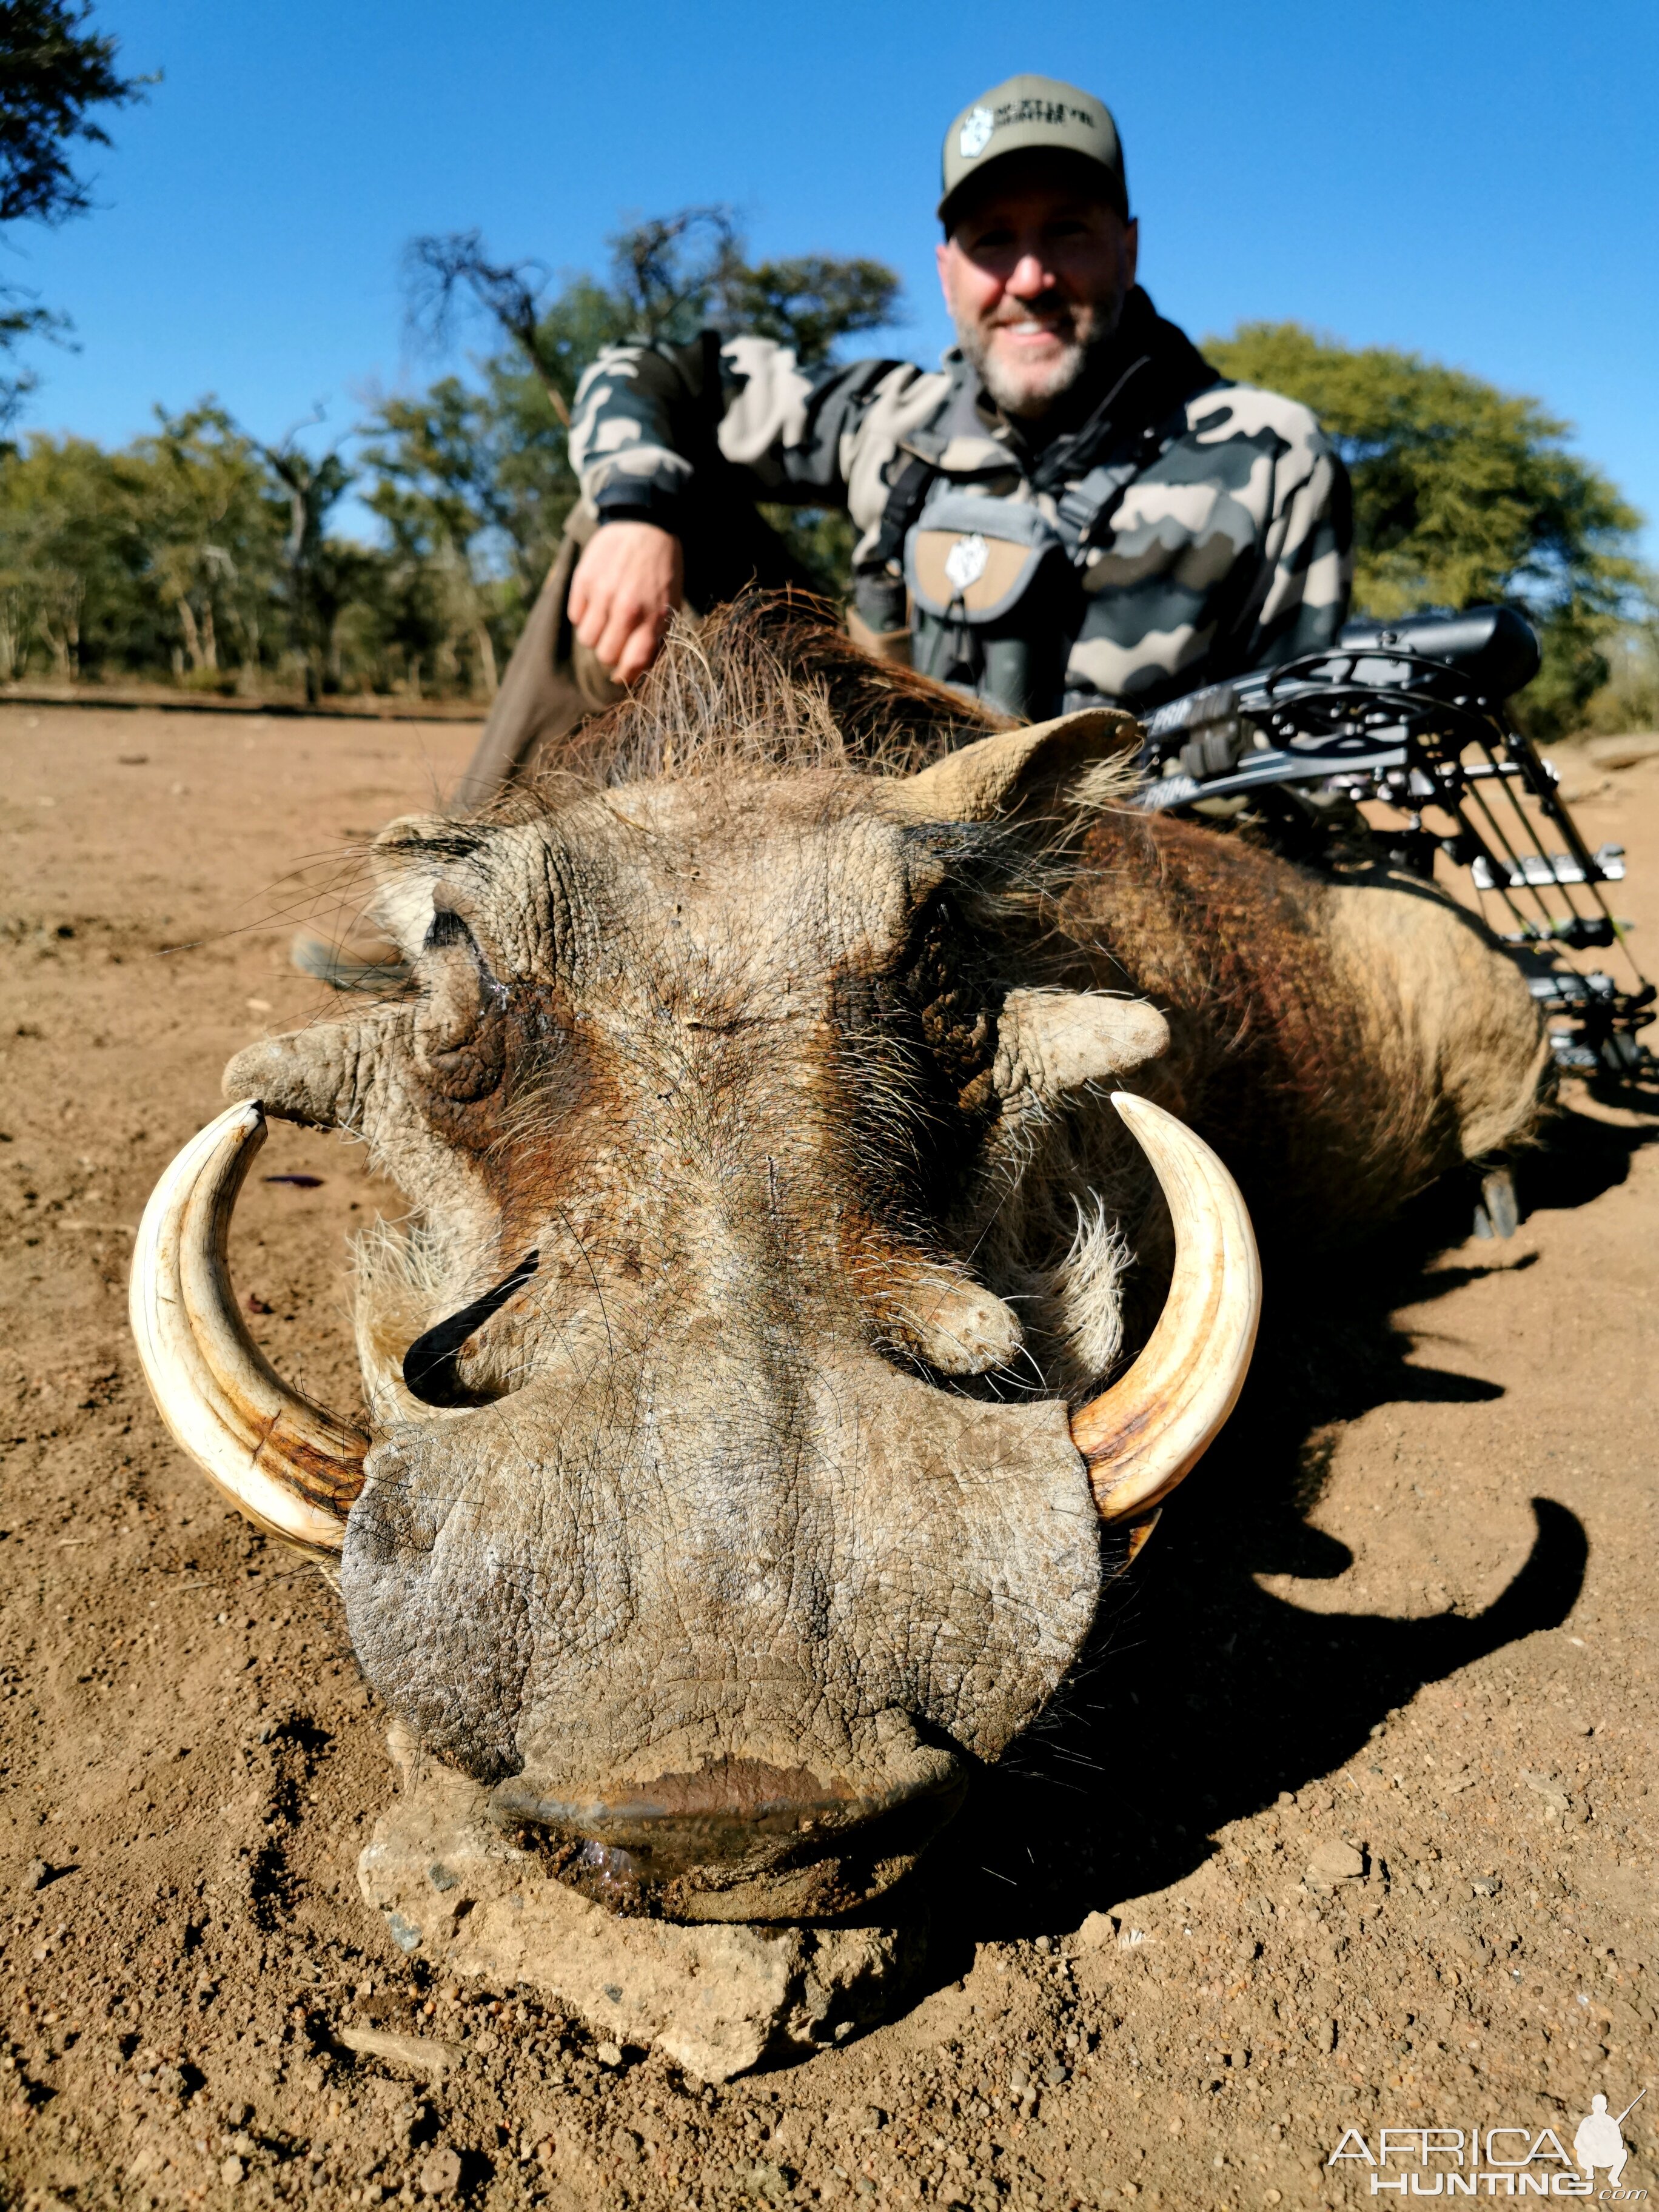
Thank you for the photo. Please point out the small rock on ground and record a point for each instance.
(1336, 1861)
(441, 2176)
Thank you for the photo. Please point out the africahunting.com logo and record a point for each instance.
(1495, 2161)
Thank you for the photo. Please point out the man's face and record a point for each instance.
(1035, 274)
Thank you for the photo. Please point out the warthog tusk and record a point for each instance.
(1155, 1423)
(290, 1466)
(293, 1469)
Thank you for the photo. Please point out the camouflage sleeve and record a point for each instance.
(634, 419)
(1307, 556)
(647, 418)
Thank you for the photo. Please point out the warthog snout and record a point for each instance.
(739, 1840)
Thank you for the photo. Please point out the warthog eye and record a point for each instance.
(458, 1031)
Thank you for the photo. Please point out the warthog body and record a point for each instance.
(750, 1519)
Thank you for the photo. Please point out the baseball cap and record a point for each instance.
(1027, 112)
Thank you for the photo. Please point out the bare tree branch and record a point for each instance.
(439, 269)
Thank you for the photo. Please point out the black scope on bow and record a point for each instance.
(1494, 650)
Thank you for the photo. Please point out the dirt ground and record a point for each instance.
(1406, 1606)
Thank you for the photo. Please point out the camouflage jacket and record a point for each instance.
(1188, 530)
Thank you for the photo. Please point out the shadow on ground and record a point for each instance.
(1203, 1697)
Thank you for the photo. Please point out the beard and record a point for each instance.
(1086, 332)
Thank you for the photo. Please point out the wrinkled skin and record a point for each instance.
(752, 1520)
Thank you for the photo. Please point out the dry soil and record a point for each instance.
(1347, 1824)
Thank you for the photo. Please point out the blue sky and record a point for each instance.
(1476, 181)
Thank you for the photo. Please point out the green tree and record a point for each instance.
(66, 579)
(54, 73)
(1463, 493)
(318, 581)
(811, 302)
(442, 486)
(166, 554)
(210, 523)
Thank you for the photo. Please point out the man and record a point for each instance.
(1075, 509)
(1599, 2140)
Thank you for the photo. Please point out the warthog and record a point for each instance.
(775, 1123)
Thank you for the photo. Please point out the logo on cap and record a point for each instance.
(976, 129)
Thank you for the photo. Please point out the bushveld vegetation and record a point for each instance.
(202, 554)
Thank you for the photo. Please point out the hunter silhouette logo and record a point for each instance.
(1599, 2142)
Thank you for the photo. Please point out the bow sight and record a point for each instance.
(1393, 749)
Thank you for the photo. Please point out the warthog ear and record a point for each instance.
(1076, 760)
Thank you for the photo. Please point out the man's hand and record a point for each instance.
(629, 581)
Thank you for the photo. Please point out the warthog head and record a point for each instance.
(729, 1489)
